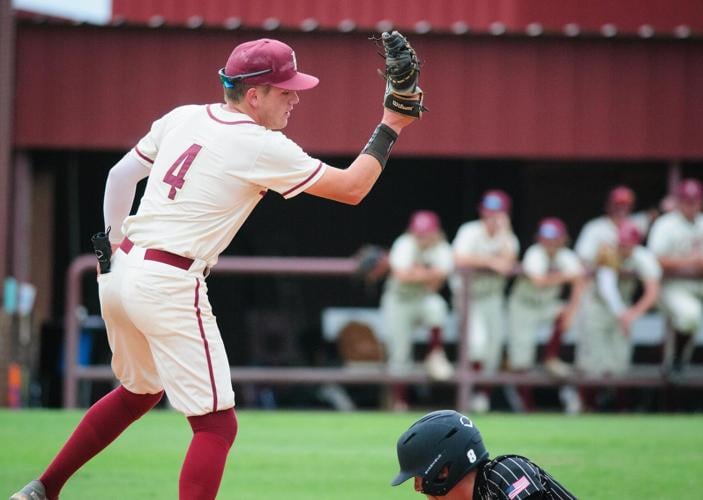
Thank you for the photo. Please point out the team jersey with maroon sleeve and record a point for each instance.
(512, 477)
(209, 169)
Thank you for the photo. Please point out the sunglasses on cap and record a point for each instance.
(230, 81)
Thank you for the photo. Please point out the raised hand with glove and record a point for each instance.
(402, 98)
(402, 74)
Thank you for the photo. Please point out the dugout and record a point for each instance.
(519, 99)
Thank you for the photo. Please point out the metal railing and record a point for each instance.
(464, 379)
(322, 266)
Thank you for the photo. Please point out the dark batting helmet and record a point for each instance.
(440, 439)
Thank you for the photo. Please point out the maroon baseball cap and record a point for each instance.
(495, 200)
(424, 222)
(629, 234)
(552, 228)
(267, 62)
(689, 190)
(621, 196)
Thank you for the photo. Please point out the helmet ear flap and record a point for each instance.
(436, 480)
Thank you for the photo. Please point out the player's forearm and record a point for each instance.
(679, 264)
(435, 279)
(362, 175)
(550, 279)
(419, 274)
(607, 284)
(436, 283)
(502, 263)
(578, 286)
(471, 260)
(367, 167)
(648, 299)
(120, 188)
(350, 185)
(410, 275)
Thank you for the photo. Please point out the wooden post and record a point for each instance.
(5, 355)
(464, 387)
(7, 75)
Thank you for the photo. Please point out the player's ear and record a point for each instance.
(252, 97)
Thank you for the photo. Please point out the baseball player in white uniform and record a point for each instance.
(534, 302)
(677, 241)
(420, 261)
(489, 247)
(207, 166)
(605, 347)
(603, 230)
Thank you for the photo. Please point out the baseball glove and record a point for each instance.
(402, 73)
(372, 262)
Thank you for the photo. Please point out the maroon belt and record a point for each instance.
(159, 256)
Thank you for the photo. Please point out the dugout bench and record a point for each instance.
(464, 379)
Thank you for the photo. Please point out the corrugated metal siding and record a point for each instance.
(88, 88)
(441, 15)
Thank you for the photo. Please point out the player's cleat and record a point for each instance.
(674, 372)
(399, 406)
(557, 368)
(438, 366)
(480, 402)
(571, 400)
(33, 491)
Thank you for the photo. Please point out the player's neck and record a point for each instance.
(237, 108)
(469, 482)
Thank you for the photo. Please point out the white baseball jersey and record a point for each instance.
(603, 231)
(209, 169)
(473, 239)
(602, 348)
(408, 305)
(641, 264)
(531, 307)
(406, 253)
(675, 236)
(538, 263)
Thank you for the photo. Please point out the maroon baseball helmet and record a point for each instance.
(629, 234)
(621, 196)
(495, 200)
(424, 222)
(265, 62)
(689, 190)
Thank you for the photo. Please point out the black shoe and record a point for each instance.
(674, 373)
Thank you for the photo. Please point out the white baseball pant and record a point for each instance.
(163, 334)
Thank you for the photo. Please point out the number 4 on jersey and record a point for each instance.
(176, 180)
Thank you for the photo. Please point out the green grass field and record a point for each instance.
(326, 455)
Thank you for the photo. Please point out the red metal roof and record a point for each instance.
(644, 18)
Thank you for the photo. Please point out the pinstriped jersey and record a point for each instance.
(209, 169)
(512, 477)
